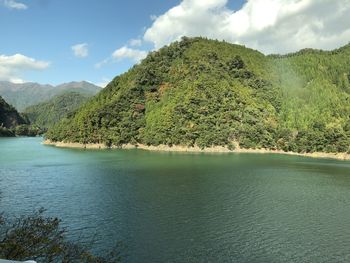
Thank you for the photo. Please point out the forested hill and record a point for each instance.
(206, 93)
(9, 118)
(48, 113)
(24, 95)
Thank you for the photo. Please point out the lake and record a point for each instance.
(185, 207)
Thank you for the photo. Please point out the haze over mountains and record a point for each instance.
(24, 95)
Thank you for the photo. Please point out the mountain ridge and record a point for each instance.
(27, 94)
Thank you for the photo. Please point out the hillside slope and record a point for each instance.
(24, 95)
(207, 93)
(48, 113)
(9, 118)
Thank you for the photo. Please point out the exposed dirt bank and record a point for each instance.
(216, 149)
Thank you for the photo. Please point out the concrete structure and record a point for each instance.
(12, 261)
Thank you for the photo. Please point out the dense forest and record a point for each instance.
(47, 113)
(13, 123)
(206, 93)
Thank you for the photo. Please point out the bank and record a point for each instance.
(196, 149)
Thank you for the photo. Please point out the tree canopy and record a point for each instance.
(207, 93)
(47, 113)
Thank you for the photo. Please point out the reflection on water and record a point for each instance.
(173, 207)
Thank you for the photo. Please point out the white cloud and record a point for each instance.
(153, 17)
(80, 50)
(11, 4)
(12, 67)
(103, 83)
(271, 26)
(135, 42)
(125, 52)
(101, 63)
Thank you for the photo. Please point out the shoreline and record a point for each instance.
(196, 149)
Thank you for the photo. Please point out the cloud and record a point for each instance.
(271, 26)
(80, 50)
(11, 67)
(103, 83)
(125, 52)
(135, 42)
(11, 4)
(153, 17)
(129, 53)
(101, 63)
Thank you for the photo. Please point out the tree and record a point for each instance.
(40, 238)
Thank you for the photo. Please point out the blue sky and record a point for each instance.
(46, 30)
(43, 32)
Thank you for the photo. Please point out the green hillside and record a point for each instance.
(48, 113)
(316, 103)
(9, 119)
(206, 93)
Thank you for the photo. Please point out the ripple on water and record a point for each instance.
(186, 207)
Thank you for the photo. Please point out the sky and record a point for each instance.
(58, 41)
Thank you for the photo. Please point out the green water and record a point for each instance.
(173, 207)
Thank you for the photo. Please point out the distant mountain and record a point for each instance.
(24, 95)
(46, 114)
(209, 93)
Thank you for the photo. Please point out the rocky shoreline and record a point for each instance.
(215, 149)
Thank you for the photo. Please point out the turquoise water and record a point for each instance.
(175, 207)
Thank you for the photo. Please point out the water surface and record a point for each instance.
(177, 207)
